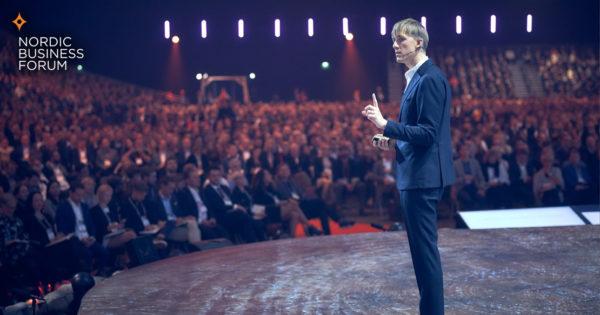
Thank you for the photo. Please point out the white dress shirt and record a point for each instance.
(80, 228)
(202, 210)
(411, 72)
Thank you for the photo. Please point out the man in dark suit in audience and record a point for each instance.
(347, 174)
(73, 217)
(234, 217)
(135, 211)
(166, 208)
(520, 172)
(578, 181)
(140, 218)
(191, 204)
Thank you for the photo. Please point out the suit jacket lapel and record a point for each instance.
(408, 92)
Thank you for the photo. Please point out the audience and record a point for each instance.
(96, 163)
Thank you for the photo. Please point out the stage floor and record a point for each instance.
(504, 271)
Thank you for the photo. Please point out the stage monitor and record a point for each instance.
(592, 216)
(520, 218)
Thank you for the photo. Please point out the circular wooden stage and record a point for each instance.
(509, 271)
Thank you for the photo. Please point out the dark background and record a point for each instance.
(124, 39)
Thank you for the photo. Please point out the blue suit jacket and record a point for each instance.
(570, 176)
(65, 218)
(422, 132)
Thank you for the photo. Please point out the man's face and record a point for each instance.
(38, 202)
(105, 196)
(54, 189)
(23, 192)
(522, 157)
(171, 165)
(404, 47)
(284, 172)
(167, 189)
(240, 181)
(214, 177)
(138, 195)
(55, 156)
(590, 142)
(464, 152)
(193, 179)
(187, 143)
(76, 195)
(574, 157)
(152, 178)
(294, 149)
(89, 185)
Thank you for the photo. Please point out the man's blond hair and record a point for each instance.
(412, 28)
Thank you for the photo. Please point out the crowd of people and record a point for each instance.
(88, 164)
(483, 72)
(476, 72)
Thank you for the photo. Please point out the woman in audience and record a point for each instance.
(548, 183)
(65, 256)
(17, 254)
(52, 198)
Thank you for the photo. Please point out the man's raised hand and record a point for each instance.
(372, 112)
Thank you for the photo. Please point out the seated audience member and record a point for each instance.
(53, 198)
(191, 204)
(521, 172)
(64, 256)
(495, 171)
(242, 196)
(178, 229)
(73, 217)
(308, 191)
(324, 186)
(548, 183)
(578, 188)
(588, 151)
(470, 183)
(109, 228)
(140, 219)
(232, 216)
(23, 210)
(286, 190)
(277, 210)
(17, 255)
(385, 183)
(89, 195)
(346, 174)
(40, 225)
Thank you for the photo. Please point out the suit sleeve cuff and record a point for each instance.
(390, 128)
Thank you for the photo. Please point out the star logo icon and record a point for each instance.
(19, 21)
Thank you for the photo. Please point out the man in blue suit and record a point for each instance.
(73, 217)
(421, 138)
